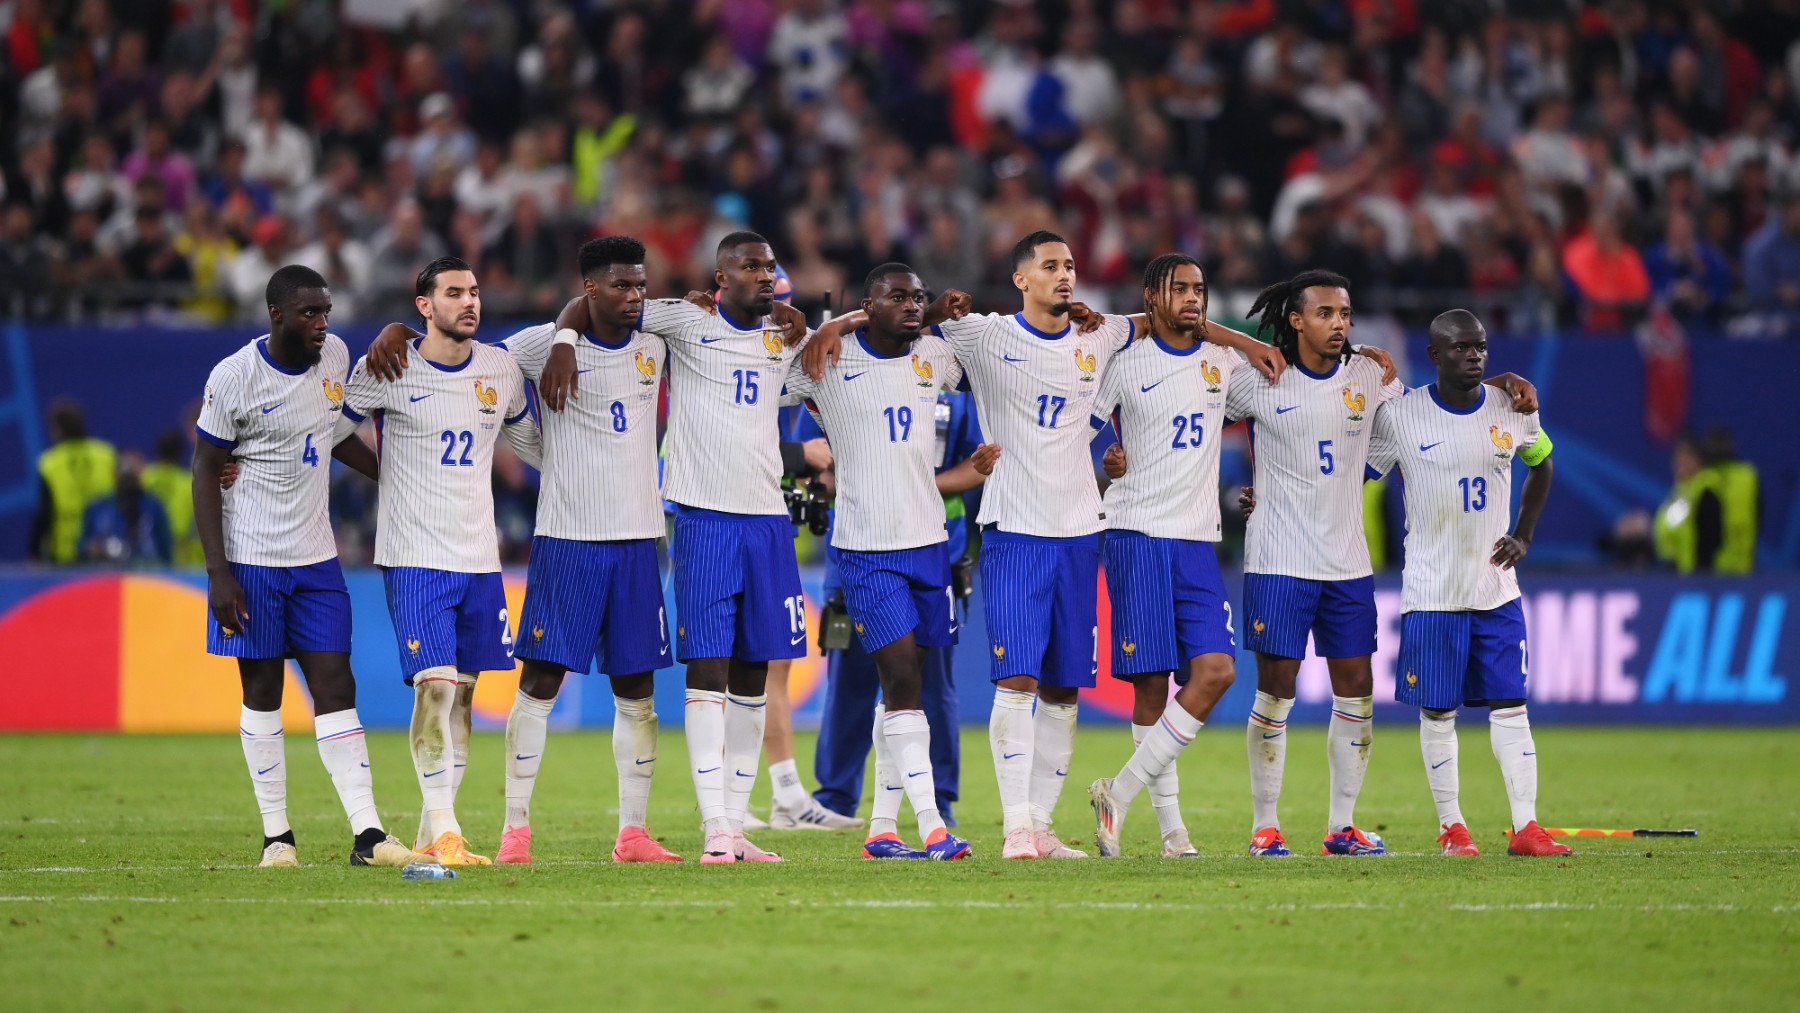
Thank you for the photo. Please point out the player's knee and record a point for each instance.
(1059, 694)
(634, 687)
(262, 684)
(1214, 673)
(541, 683)
(1150, 692)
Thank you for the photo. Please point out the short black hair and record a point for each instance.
(1026, 248)
(289, 280)
(1273, 304)
(1450, 323)
(596, 255)
(881, 271)
(427, 281)
(739, 238)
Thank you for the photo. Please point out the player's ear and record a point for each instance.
(423, 304)
(1019, 281)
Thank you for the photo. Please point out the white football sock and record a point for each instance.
(1267, 736)
(790, 792)
(434, 697)
(345, 751)
(1347, 743)
(1510, 730)
(1052, 745)
(634, 753)
(265, 755)
(1164, 788)
(1010, 735)
(909, 742)
(745, 717)
(890, 786)
(1437, 741)
(1158, 752)
(704, 718)
(527, 729)
(462, 722)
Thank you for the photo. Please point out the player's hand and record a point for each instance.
(818, 454)
(792, 321)
(985, 457)
(1508, 551)
(1084, 318)
(228, 475)
(1523, 392)
(824, 348)
(557, 383)
(225, 596)
(1247, 500)
(704, 300)
(387, 353)
(1381, 358)
(1114, 461)
(954, 304)
(1268, 361)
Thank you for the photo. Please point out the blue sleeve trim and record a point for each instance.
(353, 415)
(1096, 421)
(214, 440)
(1370, 474)
(1130, 330)
(522, 413)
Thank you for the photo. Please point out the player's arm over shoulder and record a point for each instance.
(673, 319)
(798, 386)
(530, 348)
(965, 332)
(1384, 443)
(363, 393)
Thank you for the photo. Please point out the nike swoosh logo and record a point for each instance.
(742, 774)
(1441, 763)
(1146, 390)
(895, 787)
(1284, 411)
(1062, 773)
(274, 406)
(708, 341)
(922, 773)
(265, 770)
(432, 774)
(420, 397)
(1011, 756)
(851, 376)
(796, 640)
(581, 371)
(365, 766)
(533, 756)
(1358, 745)
(706, 771)
(1427, 446)
(642, 762)
(1527, 754)
(1273, 735)
(1008, 357)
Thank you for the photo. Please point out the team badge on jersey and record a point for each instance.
(646, 367)
(1258, 626)
(772, 342)
(1085, 361)
(537, 633)
(334, 393)
(1411, 679)
(923, 370)
(1128, 646)
(1356, 402)
(211, 395)
(999, 652)
(1502, 440)
(488, 397)
(1211, 373)
(412, 644)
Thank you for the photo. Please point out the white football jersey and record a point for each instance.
(599, 481)
(437, 426)
(1168, 406)
(1035, 392)
(279, 424)
(1456, 467)
(881, 417)
(1309, 436)
(723, 447)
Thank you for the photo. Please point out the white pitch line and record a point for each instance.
(1127, 906)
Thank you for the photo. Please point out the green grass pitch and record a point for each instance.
(126, 882)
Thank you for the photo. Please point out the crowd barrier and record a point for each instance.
(100, 651)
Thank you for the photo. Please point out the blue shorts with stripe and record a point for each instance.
(1449, 659)
(1168, 604)
(594, 601)
(891, 594)
(292, 609)
(737, 587)
(1040, 596)
(1279, 611)
(442, 617)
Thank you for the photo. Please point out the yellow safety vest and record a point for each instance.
(78, 472)
(173, 487)
(1677, 521)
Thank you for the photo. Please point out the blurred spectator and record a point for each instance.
(717, 84)
(527, 267)
(24, 264)
(1607, 274)
(342, 260)
(35, 184)
(209, 252)
(276, 152)
(73, 473)
(810, 48)
(487, 84)
(1088, 79)
(157, 160)
(398, 252)
(169, 480)
(444, 141)
(1772, 271)
(128, 92)
(945, 258)
(1687, 272)
(128, 527)
(269, 245)
(155, 269)
(1336, 96)
(1708, 523)
(227, 188)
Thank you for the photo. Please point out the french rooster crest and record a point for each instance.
(923, 369)
(646, 366)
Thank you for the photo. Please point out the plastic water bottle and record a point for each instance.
(420, 870)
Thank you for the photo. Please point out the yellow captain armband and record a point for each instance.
(1534, 455)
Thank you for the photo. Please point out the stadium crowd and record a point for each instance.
(1543, 160)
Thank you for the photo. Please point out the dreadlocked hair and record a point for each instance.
(1159, 273)
(1275, 303)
